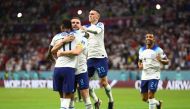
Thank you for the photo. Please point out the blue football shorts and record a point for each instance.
(82, 80)
(151, 85)
(97, 64)
(64, 79)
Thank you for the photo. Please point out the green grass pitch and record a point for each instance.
(124, 99)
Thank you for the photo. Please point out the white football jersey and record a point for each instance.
(96, 47)
(151, 66)
(82, 57)
(66, 61)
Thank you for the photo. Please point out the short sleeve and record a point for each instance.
(162, 54)
(100, 27)
(140, 54)
(56, 38)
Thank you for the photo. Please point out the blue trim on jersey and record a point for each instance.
(72, 31)
(66, 33)
(88, 25)
(59, 33)
(154, 48)
(143, 48)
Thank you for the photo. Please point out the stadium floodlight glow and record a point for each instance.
(79, 12)
(19, 15)
(158, 6)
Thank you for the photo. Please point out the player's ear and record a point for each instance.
(154, 40)
(98, 15)
(61, 27)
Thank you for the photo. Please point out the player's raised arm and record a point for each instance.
(96, 30)
(60, 44)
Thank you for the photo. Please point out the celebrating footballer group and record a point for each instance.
(79, 52)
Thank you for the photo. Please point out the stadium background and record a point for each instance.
(27, 27)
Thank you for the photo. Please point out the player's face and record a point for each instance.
(150, 39)
(76, 24)
(93, 16)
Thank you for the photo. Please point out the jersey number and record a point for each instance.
(69, 46)
(101, 69)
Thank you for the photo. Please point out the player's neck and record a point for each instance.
(95, 22)
(149, 46)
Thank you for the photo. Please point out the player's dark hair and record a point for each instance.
(66, 24)
(98, 11)
(76, 18)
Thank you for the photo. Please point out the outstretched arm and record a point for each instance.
(92, 31)
(96, 31)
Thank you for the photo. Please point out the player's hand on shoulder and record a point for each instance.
(68, 39)
(83, 29)
(71, 37)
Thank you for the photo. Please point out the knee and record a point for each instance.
(145, 97)
(104, 82)
(68, 95)
(150, 95)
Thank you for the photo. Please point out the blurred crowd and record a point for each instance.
(24, 41)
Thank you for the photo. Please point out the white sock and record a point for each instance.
(61, 99)
(109, 93)
(87, 100)
(156, 101)
(152, 104)
(93, 94)
(88, 103)
(65, 103)
(72, 104)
